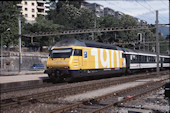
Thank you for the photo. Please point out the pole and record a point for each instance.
(2, 3)
(1, 52)
(157, 43)
(19, 24)
(94, 20)
(144, 41)
(32, 40)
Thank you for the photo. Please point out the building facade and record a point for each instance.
(31, 9)
(118, 14)
(108, 11)
(96, 8)
(140, 22)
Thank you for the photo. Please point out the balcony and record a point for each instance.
(40, 7)
(40, 1)
(19, 5)
(41, 13)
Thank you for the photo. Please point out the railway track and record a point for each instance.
(47, 83)
(103, 103)
(17, 101)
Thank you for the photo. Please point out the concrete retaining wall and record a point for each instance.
(11, 60)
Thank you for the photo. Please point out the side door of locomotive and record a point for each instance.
(78, 58)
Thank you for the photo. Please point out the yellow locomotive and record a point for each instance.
(71, 58)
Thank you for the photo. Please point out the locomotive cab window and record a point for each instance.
(77, 52)
(61, 53)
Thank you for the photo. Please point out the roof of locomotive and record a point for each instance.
(137, 51)
(85, 43)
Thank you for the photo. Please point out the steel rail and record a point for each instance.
(127, 99)
(79, 104)
(67, 91)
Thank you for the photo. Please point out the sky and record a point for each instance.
(142, 9)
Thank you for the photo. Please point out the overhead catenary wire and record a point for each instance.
(153, 9)
(164, 3)
(126, 10)
(136, 42)
(152, 12)
(81, 31)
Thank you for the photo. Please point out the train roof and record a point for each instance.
(141, 52)
(85, 43)
(137, 51)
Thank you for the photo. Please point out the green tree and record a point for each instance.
(9, 19)
(42, 25)
(164, 45)
(121, 36)
(72, 17)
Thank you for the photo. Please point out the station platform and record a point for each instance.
(20, 80)
(23, 72)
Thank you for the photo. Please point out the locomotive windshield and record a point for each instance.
(61, 53)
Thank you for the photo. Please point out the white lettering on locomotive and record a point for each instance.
(117, 58)
(104, 59)
(94, 52)
(105, 63)
(112, 58)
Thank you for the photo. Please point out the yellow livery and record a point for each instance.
(73, 58)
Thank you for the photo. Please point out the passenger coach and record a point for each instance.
(139, 60)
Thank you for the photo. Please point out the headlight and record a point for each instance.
(66, 67)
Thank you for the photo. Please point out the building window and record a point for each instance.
(32, 4)
(32, 10)
(26, 15)
(26, 9)
(25, 3)
(33, 16)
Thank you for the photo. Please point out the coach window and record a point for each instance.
(167, 60)
(138, 58)
(147, 59)
(134, 58)
(154, 59)
(77, 52)
(142, 59)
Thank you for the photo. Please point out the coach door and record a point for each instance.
(127, 56)
(161, 62)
